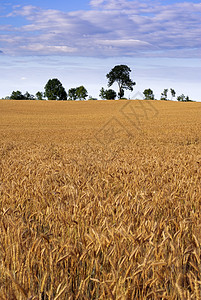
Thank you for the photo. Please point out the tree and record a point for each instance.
(17, 95)
(164, 94)
(173, 93)
(107, 94)
(148, 94)
(72, 94)
(54, 90)
(183, 98)
(81, 93)
(77, 93)
(121, 75)
(39, 96)
(28, 96)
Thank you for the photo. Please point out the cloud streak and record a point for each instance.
(109, 28)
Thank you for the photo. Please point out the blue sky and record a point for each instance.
(79, 42)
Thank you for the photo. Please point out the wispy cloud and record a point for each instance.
(50, 49)
(109, 28)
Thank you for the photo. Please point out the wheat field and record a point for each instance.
(100, 200)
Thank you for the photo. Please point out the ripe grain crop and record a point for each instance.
(100, 200)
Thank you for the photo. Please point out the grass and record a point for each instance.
(100, 200)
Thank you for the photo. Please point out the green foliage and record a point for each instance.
(77, 93)
(72, 94)
(39, 96)
(121, 75)
(148, 94)
(81, 93)
(107, 94)
(17, 95)
(173, 93)
(28, 96)
(164, 94)
(183, 98)
(54, 90)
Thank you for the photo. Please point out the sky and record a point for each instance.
(80, 41)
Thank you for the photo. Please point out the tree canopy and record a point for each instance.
(164, 94)
(54, 90)
(121, 75)
(148, 94)
(183, 98)
(81, 92)
(173, 93)
(17, 95)
(39, 95)
(77, 93)
(72, 94)
(107, 94)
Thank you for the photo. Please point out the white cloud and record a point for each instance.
(124, 43)
(112, 27)
(48, 49)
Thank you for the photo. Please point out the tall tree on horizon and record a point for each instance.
(54, 90)
(121, 75)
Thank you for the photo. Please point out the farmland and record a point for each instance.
(100, 200)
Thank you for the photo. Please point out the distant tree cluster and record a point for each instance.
(17, 95)
(54, 90)
(120, 74)
(149, 95)
(79, 93)
(107, 94)
(183, 98)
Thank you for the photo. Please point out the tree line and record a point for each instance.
(149, 95)
(120, 74)
(54, 90)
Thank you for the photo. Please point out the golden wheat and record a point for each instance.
(100, 200)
